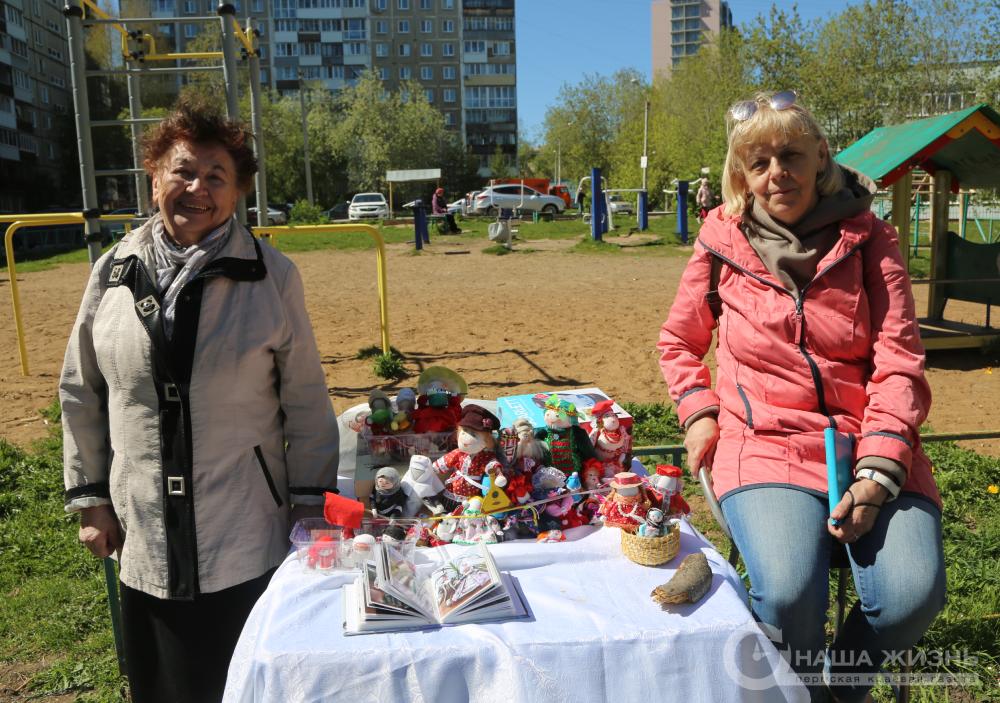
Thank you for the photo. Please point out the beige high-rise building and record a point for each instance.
(678, 28)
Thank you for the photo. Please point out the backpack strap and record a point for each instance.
(712, 296)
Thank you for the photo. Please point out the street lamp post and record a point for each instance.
(305, 140)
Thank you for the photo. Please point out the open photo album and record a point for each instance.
(448, 585)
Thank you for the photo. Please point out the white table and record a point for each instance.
(595, 635)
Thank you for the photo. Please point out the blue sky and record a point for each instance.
(558, 41)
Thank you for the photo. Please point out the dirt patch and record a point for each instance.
(508, 324)
(15, 682)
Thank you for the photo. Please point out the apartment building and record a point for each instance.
(34, 97)
(678, 28)
(461, 52)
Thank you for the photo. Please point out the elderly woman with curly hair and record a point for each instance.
(196, 417)
(816, 332)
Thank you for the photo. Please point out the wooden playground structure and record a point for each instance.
(960, 150)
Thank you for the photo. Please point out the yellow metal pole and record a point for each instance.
(383, 288)
(15, 298)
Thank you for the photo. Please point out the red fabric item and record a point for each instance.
(857, 323)
(342, 511)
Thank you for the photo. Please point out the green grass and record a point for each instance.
(77, 256)
(53, 602)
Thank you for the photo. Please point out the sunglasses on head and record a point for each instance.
(745, 109)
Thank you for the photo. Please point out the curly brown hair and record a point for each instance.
(197, 122)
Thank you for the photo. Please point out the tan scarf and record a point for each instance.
(791, 254)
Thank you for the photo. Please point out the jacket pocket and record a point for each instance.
(746, 405)
(267, 476)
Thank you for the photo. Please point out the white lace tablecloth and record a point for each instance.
(594, 635)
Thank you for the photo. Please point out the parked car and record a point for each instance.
(619, 206)
(516, 197)
(338, 211)
(368, 205)
(275, 217)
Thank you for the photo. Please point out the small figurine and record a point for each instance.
(439, 405)
(522, 524)
(475, 527)
(627, 504)
(560, 515)
(530, 452)
(653, 527)
(568, 445)
(573, 485)
(612, 442)
(381, 413)
(362, 549)
(422, 487)
(323, 554)
(590, 505)
(546, 481)
(463, 468)
(388, 499)
(406, 403)
(668, 483)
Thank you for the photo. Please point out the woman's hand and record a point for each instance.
(700, 441)
(857, 510)
(99, 530)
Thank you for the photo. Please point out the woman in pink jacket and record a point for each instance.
(816, 329)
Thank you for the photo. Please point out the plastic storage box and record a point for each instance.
(400, 447)
(319, 545)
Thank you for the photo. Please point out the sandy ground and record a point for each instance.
(510, 324)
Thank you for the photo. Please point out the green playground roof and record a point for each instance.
(966, 143)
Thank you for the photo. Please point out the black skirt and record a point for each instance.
(180, 650)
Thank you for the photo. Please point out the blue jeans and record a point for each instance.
(898, 572)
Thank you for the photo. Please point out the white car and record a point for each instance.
(275, 217)
(619, 206)
(368, 205)
(512, 196)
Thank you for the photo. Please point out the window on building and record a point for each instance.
(18, 48)
(190, 31)
(425, 4)
(447, 49)
(405, 73)
(404, 50)
(381, 26)
(356, 29)
(14, 16)
(426, 26)
(448, 73)
(426, 73)
(501, 48)
(309, 48)
(475, 46)
(257, 6)
(286, 25)
(264, 77)
(381, 50)
(52, 151)
(426, 49)
(403, 4)
(381, 5)
(447, 4)
(356, 48)
(429, 94)
(403, 26)
(449, 95)
(448, 26)
(8, 137)
(383, 73)
(23, 80)
(449, 119)
(190, 7)
(286, 49)
(6, 104)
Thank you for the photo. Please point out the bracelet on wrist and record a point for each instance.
(887, 482)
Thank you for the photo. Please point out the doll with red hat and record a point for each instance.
(668, 483)
(612, 442)
(462, 470)
(627, 504)
(439, 400)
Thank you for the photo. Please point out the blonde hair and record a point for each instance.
(792, 122)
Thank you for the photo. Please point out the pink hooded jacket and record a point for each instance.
(848, 348)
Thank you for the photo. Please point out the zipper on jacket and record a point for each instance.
(267, 476)
(801, 331)
(746, 405)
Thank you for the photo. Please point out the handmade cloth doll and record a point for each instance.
(462, 469)
(406, 403)
(439, 404)
(422, 487)
(475, 527)
(627, 504)
(388, 499)
(612, 442)
(653, 527)
(561, 515)
(380, 417)
(590, 505)
(568, 445)
(668, 484)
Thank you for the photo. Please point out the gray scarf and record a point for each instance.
(791, 254)
(176, 265)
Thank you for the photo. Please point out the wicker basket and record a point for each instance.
(652, 551)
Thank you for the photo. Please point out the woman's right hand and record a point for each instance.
(700, 441)
(99, 530)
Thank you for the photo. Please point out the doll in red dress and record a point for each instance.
(462, 469)
(439, 403)
(628, 502)
(612, 442)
